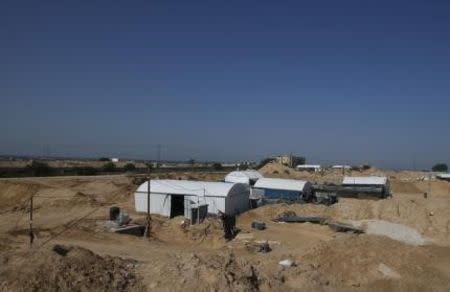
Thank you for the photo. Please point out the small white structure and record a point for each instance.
(341, 167)
(443, 176)
(248, 177)
(309, 167)
(115, 160)
(278, 188)
(172, 198)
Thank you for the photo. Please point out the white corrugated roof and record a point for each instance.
(280, 184)
(187, 187)
(364, 180)
(242, 176)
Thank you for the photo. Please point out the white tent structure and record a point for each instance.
(171, 198)
(309, 167)
(278, 188)
(248, 177)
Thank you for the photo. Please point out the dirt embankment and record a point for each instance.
(274, 169)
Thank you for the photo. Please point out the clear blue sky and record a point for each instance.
(337, 81)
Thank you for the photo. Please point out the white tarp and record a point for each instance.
(243, 176)
(282, 184)
(230, 198)
(364, 180)
(444, 175)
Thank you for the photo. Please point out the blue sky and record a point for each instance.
(336, 81)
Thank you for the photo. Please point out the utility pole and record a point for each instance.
(158, 149)
(31, 221)
(149, 218)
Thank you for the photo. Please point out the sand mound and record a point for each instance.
(71, 269)
(273, 168)
(178, 230)
(428, 217)
(354, 261)
(218, 273)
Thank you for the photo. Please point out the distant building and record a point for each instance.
(289, 160)
(309, 167)
(114, 159)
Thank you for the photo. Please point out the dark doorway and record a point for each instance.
(176, 206)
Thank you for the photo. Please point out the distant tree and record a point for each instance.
(442, 167)
(366, 167)
(264, 162)
(243, 166)
(129, 167)
(39, 169)
(109, 167)
(85, 170)
(104, 159)
(217, 166)
(191, 161)
(298, 160)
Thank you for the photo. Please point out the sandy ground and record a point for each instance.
(71, 212)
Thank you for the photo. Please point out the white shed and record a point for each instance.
(248, 177)
(174, 197)
(309, 167)
(278, 188)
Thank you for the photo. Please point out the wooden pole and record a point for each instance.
(31, 222)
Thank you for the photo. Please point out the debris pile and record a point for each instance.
(69, 268)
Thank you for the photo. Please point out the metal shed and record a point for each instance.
(366, 185)
(275, 189)
(172, 198)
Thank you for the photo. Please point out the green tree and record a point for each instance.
(441, 167)
(104, 159)
(109, 167)
(85, 170)
(39, 169)
(264, 162)
(243, 166)
(217, 166)
(129, 167)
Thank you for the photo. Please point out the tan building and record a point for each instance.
(290, 160)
